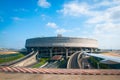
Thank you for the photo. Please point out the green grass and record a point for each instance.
(41, 62)
(10, 57)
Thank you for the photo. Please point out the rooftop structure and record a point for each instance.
(65, 46)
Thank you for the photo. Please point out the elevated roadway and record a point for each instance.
(73, 62)
(27, 61)
(23, 62)
(78, 61)
(54, 64)
(106, 59)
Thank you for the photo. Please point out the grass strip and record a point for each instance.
(41, 62)
(8, 58)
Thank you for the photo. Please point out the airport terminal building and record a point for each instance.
(65, 46)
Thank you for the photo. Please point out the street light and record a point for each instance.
(98, 66)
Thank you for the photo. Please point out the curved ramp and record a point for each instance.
(28, 60)
(73, 61)
(76, 60)
(18, 60)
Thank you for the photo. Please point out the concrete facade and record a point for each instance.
(66, 46)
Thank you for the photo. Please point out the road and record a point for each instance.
(76, 61)
(26, 61)
(73, 62)
(52, 65)
(85, 63)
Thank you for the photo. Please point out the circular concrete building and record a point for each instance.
(50, 46)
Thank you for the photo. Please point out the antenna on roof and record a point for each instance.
(59, 35)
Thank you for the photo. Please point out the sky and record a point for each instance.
(23, 19)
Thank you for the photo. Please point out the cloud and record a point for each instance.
(107, 28)
(111, 14)
(21, 10)
(106, 3)
(103, 19)
(114, 13)
(52, 25)
(107, 34)
(74, 9)
(62, 30)
(17, 18)
(77, 8)
(44, 3)
(57, 29)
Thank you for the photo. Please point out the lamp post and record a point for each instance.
(98, 66)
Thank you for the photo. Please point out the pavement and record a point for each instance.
(51, 65)
(28, 60)
(73, 63)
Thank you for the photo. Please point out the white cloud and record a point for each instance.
(17, 18)
(106, 22)
(114, 13)
(96, 19)
(106, 3)
(111, 14)
(57, 29)
(21, 10)
(103, 19)
(74, 9)
(45, 17)
(107, 34)
(62, 30)
(107, 28)
(52, 25)
(44, 3)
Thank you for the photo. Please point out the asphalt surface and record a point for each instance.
(27, 61)
(73, 62)
(52, 65)
(86, 64)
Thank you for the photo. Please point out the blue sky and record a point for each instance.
(23, 19)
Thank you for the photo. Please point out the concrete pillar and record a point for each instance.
(66, 53)
(84, 49)
(91, 50)
(81, 49)
(96, 50)
(50, 53)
